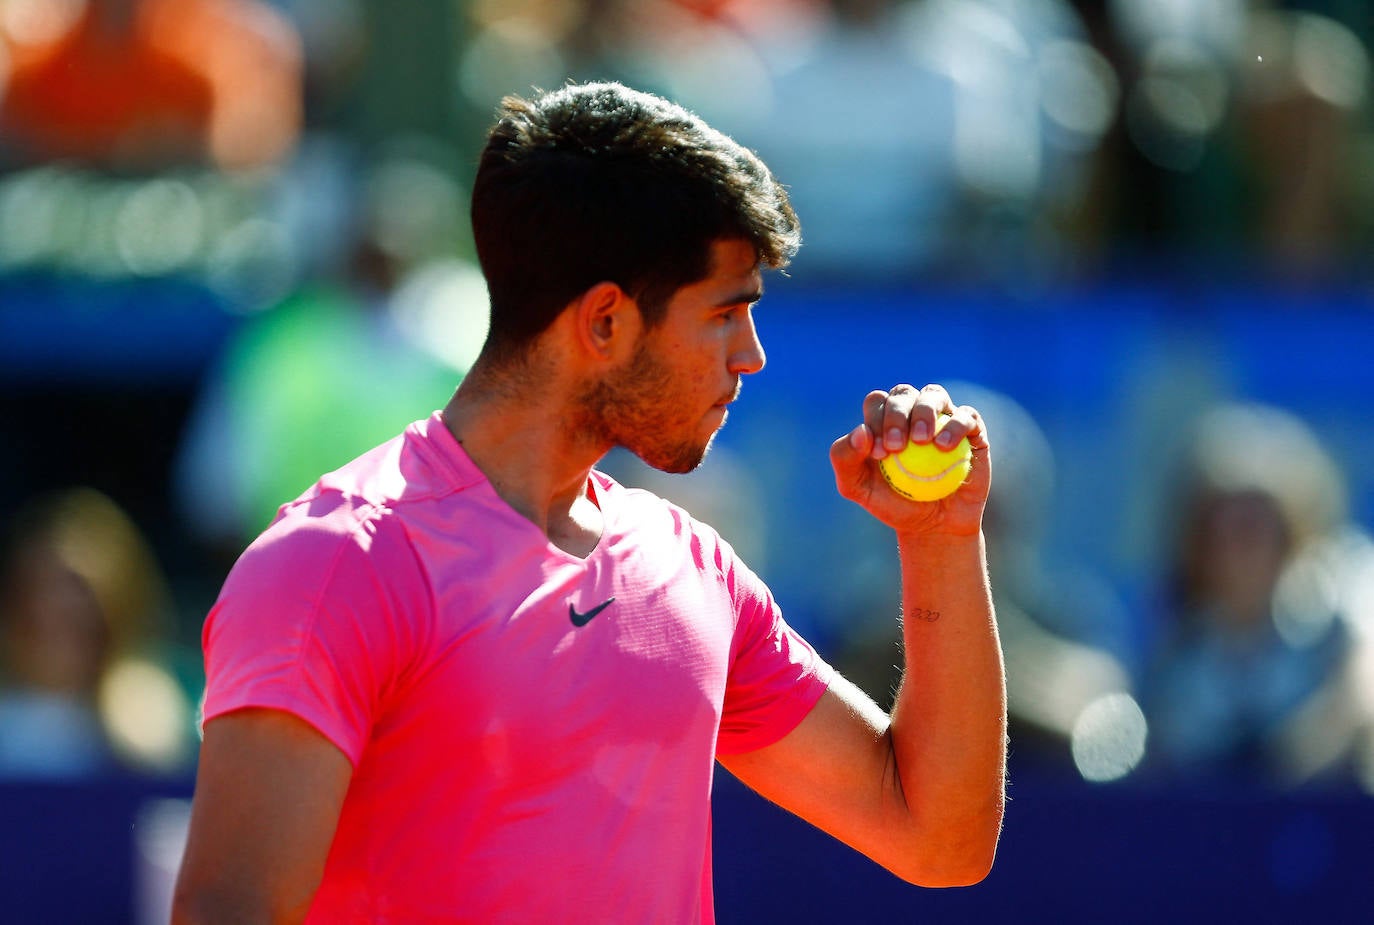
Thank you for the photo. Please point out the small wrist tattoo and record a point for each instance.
(927, 616)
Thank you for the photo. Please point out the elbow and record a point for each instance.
(954, 856)
(944, 875)
(946, 872)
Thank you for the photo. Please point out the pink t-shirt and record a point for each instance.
(509, 765)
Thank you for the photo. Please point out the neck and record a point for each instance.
(513, 426)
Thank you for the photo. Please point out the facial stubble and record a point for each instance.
(633, 408)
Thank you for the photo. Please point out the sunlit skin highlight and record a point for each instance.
(695, 359)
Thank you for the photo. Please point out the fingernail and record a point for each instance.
(944, 438)
(894, 439)
(856, 437)
(920, 431)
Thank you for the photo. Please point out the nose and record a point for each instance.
(748, 356)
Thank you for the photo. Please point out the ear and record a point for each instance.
(606, 321)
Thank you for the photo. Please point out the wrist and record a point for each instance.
(918, 539)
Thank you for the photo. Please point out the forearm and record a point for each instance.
(227, 908)
(949, 724)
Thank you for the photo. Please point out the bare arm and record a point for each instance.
(922, 791)
(268, 792)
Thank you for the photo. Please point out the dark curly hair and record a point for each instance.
(598, 182)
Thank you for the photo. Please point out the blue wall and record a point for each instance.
(1108, 372)
(1112, 374)
(1070, 854)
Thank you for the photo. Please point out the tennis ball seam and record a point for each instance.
(959, 461)
(955, 465)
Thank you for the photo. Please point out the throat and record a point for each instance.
(580, 532)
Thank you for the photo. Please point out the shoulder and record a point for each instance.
(368, 518)
(653, 519)
(319, 527)
(318, 563)
(388, 485)
(415, 466)
(335, 574)
(644, 510)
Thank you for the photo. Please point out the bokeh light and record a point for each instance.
(1134, 233)
(1109, 738)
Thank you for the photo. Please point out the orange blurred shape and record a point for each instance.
(146, 84)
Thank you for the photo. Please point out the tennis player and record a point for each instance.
(469, 678)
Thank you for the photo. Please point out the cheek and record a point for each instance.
(669, 370)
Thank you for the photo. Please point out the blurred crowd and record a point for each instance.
(1251, 659)
(1023, 140)
(306, 162)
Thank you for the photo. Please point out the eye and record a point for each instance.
(736, 312)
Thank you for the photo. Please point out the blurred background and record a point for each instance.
(234, 253)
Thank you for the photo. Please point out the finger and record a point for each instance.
(932, 402)
(875, 403)
(849, 456)
(964, 421)
(895, 428)
(977, 434)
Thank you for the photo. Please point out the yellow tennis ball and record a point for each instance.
(924, 472)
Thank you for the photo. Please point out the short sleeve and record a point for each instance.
(304, 624)
(775, 677)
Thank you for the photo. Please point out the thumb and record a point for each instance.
(849, 458)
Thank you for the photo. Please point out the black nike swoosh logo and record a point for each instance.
(582, 619)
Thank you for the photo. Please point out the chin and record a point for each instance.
(677, 460)
(677, 465)
(681, 456)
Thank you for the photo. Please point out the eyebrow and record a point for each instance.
(746, 297)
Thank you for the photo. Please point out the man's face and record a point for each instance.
(666, 404)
